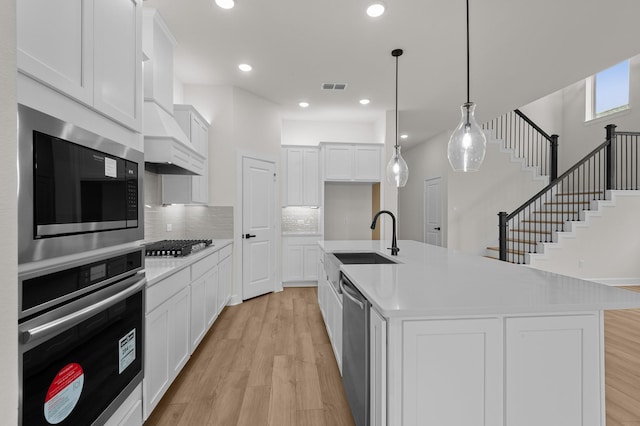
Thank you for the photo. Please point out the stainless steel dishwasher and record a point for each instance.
(355, 350)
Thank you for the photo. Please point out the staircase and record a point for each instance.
(565, 202)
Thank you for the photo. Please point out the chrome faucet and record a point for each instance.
(394, 242)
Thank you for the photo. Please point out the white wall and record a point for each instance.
(607, 249)
(8, 215)
(298, 132)
(426, 161)
(347, 211)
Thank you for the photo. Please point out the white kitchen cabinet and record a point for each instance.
(449, 364)
(301, 183)
(352, 162)
(89, 50)
(117, 82)
(300, 259)
(212, 308)
(226, 277)
(378, 369)
(199, 305)
(177, 189)
(167, 346)
(331, 308)
(553, 362)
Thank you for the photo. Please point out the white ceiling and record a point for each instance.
(521, 50)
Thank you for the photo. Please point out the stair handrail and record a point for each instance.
(609, 164)
(507, 127)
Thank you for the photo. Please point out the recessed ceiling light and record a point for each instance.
(226, 4)
(365, 101)
(304, 104)
(375, 9)
(404, 136)
(245, 67)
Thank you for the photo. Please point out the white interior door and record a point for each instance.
(258, 227)
(433, 212)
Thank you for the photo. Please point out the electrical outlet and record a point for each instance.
(169, 227)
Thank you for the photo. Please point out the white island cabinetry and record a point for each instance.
(184, 298)
(458, 339)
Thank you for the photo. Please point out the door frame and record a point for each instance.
(424, 210)
(237, 223)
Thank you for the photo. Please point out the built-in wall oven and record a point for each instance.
(81, 338)
(77, 191)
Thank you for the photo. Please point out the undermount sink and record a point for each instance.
(363, 258)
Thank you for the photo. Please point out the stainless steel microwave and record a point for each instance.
(77, 191)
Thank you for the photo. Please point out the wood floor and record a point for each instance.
(268, 361)
(622, 366)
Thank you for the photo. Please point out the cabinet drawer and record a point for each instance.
(226, 252)
(163, 290)
(201, 266)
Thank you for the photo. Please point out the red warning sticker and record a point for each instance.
(64, 393)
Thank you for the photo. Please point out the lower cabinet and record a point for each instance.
(331, 308)
(300, 259)
(180, 310)
(378, 369)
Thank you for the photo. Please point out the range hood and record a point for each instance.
(167, 150)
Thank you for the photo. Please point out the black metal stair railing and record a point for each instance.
(527, 140)
(612, 165)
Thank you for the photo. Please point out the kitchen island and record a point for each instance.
(464, 340)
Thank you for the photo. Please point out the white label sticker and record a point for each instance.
(64, 393)
(127, 350)
(110, 167)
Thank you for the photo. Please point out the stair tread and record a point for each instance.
(523, 241)
(552, 222)
(519, 252)
(531, 231)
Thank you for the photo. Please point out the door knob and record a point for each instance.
(437, 228)
(247, 236)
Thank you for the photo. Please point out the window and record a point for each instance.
(608, 91)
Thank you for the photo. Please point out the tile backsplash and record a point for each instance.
(302, 220)
(185, 221)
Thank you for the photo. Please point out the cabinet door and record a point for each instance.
(156, 357)
(200, 184)
(338, 162)
(311, 178)
(310, 263)
(198, 320)
(336, 312)
(295, 168)
(367, 163)
(179, 315)
(553, 371)
(224, 292)
(451, 373)
(118, 60)
(378, 369)
(212, 283)
(55, 42)
(294, 270)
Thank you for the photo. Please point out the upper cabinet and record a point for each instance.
(301, 183)
(89, 50)
(178, 189)
(352, 162)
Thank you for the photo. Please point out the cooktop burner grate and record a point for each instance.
(175, 248)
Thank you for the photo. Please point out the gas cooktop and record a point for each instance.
(175, 248)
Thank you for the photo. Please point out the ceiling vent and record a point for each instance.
(334, 86)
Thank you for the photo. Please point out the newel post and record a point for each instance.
(502, 235)
(554, 158)
(611, 155)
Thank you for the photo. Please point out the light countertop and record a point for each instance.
(158, 268)
(434, 281)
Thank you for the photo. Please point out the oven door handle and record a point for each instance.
(43, 331)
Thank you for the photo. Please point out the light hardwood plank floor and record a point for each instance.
(269, 362)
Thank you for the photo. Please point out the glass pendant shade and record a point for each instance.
(397, 169)
(468, 142)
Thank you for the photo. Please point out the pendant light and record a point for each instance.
(397, 169)
(468, 142)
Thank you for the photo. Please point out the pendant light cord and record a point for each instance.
(397, 102)
(468, 85)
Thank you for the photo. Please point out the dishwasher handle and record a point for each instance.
(350, 296)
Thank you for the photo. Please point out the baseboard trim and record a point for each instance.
(616, 282)
(300, 284)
